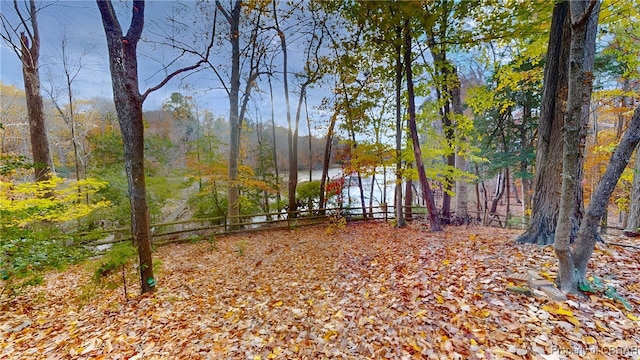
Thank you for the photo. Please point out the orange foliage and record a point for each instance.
(596, 161)
(367, 291)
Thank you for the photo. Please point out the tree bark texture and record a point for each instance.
(547, 180)
(580, 81)
(29, 56)
(434, 219)
(233, 190)
(128, 101)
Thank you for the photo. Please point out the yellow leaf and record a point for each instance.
(473, 342)
(589, 340)
(563, 311)
(228, 315)
(632, 317)
(439, 299)
(338, 314)
(257, 357)
(573, 320)
(559, 311)
(329, 334)
(277, 351)
(472, 237)
(310, 301)
(278, 304)
(547, 276)
(415, 346)
(446, 262)
(420, 314)
(366, 295)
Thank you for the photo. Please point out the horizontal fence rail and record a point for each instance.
(192, 229)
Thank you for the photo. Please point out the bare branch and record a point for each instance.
(23, 21)
(204, 60)
(171, 76)
(137, 22)
(224, 12)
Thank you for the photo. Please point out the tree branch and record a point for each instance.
(109, 17)
(23, 21)
(169, 77)
(204, 59)
(137, 22)
(585, 15)
(224, 12)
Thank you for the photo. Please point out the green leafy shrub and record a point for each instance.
(26, 254)
(112, 267)
(32, 215)
(308, 193)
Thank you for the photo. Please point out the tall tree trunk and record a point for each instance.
(547, 179)
(325, 163)
(293, 132)
(462, 187)
(123, 63)
(306, 112)
(29, 56)
(128, 101)
(408, 198)
(580, 80)
(499, 193)
(434, 219)
(233, 190)
(400, 220)
(633, 220)
(275, 150)
(524, 165)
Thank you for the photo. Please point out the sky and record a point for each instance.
(80, 24)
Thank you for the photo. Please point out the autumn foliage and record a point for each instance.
(366, 291)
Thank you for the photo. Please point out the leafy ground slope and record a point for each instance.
(367, 291)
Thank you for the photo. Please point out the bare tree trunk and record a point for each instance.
(400, 220)
(29, 56)
(306, 111)
(547, 179)
(462, 188)
(128, 101)
(499, 192)
(233, 190)
(424, 183)
(275, 150)
(408, 199)
(325, 163)
(580, 80)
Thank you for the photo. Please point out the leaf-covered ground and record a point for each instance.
(367, 291)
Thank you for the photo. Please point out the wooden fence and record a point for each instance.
(188, 230)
